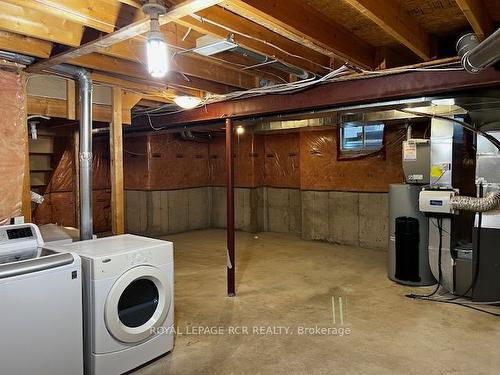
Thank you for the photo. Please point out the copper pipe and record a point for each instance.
(231, 289)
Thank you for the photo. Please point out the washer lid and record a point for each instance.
(115, 245)
(137, 303)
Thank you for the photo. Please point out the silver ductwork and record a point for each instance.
(488, 203)
(476, 56)
(85, 99)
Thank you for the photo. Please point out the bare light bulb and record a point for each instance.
(240, 130)
(157, 53)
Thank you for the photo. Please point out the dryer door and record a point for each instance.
(137, 303)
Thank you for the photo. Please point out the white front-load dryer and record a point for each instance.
(128, 303)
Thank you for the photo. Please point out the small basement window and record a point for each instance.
(361, 138)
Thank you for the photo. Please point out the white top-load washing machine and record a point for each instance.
(128, 301)
(41, 328)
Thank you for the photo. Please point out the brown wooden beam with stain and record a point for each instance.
(300, 22)
(478, 16)
(127, 32)
(333, 94)
(394, 20)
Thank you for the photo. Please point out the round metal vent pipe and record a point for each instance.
(476, 56)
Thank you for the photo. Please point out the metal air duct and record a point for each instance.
(476, 56)
(85, 95)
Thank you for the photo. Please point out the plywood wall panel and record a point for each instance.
(176, 164)
(321, 169)
(136, 173)
(282, 153)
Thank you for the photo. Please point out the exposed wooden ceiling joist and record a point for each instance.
(126, 32)
(310, 61)
(127, 68)
(98, 14)
(43, 26)
(303, 24)
(24, 44)
(156, 90)
(197, 66)
(478, 17)
(394, 19)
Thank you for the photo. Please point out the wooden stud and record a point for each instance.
(26, 197)
(116, 167)
(394, 20)
(478, 16)
(300, 22)
(76, 153)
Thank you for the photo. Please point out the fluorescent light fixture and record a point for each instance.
(208, 45)
(240, 130)
(443, 101)
(187, 102)
(156, 52)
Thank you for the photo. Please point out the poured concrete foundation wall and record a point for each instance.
(156, 213)
(357, 219)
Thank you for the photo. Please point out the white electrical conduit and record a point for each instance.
(487, 203)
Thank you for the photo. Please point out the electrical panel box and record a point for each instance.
(416, 161)
(436, 201)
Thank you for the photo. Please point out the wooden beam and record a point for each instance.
(478, 16)
(28, 22)
(100, 15)
(71, 99)
(300, 22)
(26, 197)
(127, 32)
(212, 17)
(158, 91)
(59, 108)
(394, 20)
(24, 44)
(128, 68)
(116, 164)
(193, 65)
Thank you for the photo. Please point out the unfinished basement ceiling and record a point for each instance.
(44, 28)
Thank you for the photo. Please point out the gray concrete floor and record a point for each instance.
(283, 281)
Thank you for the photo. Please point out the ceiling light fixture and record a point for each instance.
(156, 49)
(240, 130)
(187, 102)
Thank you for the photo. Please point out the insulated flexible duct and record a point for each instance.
(488, 203)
